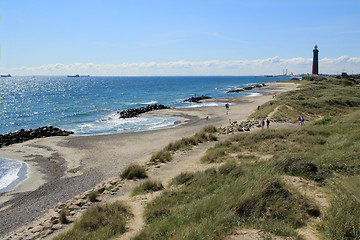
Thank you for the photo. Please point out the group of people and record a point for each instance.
(263, 123)
(301, 120)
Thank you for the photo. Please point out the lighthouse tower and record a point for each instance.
(315, 66)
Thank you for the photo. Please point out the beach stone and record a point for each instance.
(46, 225)
(37, 229)
(60, 205)
(47, 233)
(79, 202)
(25, 236)
(114, 181)
(81, 196)
(56, 227)
(36, 235)
(74, 207)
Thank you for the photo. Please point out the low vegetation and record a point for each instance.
(165, 155)
(92, 196)
(248, 193)
(99, 222)
(313, 100)
(147, 187)
(134, 171)
(63, 216)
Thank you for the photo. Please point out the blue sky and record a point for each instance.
(177, 37)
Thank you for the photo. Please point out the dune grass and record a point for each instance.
(313, 100)
(147, 187)
(211, 203)
(134, 171)
(208, 133)
(251, 194)
(99, 222)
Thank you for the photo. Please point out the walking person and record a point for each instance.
(262, 124)
(302, 120)
(299, 119)
(267, 123)
(227, 106)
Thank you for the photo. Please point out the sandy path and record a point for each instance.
(61, 167)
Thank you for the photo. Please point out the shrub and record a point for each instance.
(212, 137)
(210, 129)
(92, 196)
(134, 171)
(63, 216)
(99, 222)
(162, 156)
(148, 186)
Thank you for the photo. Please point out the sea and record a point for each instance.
(89, 105)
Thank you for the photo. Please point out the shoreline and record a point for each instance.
(61, 167)
(21, 176)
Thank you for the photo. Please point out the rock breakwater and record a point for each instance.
(197, 99)
(133, 112)
(259, 85)
(26, 135)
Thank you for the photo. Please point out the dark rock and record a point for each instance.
(235, 91)
(25, 135)
(133, 112)
(258, 85)
(248, 88)
(197, 99)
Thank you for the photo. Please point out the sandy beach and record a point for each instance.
(61, 167)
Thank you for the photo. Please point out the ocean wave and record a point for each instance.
(204, 104)
(150, 103)
(254, 95)
(9, 170)
(113, 124)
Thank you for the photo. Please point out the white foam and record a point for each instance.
(149, 103)
(9, 171)
(114, 124)
(254, 95)
(204, 104)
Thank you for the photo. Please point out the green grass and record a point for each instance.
(147, 187)
(208, 133)
(134, 171)
(247, 193)
(211, 203)
(162, 156)
(313, 100)
(99, 222)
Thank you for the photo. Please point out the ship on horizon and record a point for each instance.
(8, 75)
(77, 75)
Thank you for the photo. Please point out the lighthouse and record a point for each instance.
(315, 66)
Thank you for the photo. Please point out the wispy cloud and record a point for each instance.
(274, 65)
